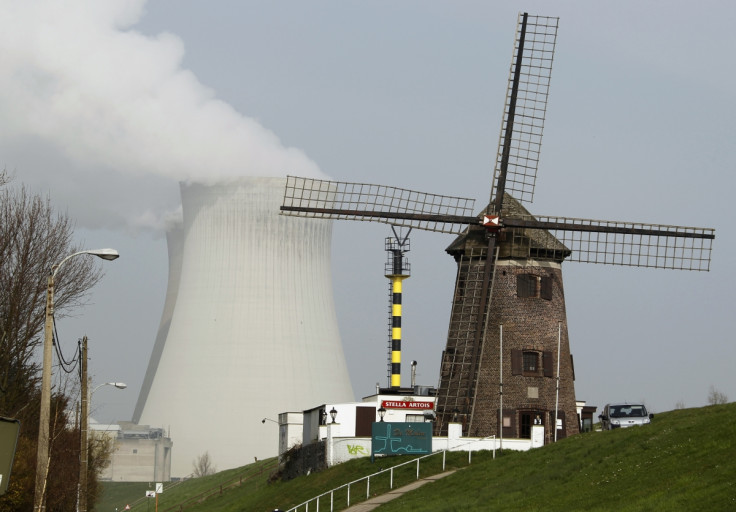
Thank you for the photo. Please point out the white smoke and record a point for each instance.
(75, 77)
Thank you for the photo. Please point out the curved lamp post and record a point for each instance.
(119, 385)
(42, 460)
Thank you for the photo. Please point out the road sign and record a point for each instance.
(9, 430)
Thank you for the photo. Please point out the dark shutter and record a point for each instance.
(526, 285)
(572, 365)
(516, 359)
(548, 364)
(364, 418)
(562, 433)
(510, 431)
(546, 288)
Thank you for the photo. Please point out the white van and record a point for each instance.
(624, 415)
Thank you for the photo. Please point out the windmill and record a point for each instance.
(507, 362)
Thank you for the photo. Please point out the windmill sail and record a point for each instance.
(525, 107)
(613, 243)
(308, 197)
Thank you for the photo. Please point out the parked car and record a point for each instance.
(619, 415)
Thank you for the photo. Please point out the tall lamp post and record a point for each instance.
(42, 460)
(84, 413)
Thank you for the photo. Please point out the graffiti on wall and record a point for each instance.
(401, 438)
(357, 450)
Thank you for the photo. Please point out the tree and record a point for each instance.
(715, 397)
(100, 452)
(33, 238)
(203, 466)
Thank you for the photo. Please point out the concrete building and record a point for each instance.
(249, 327)
(139, 453)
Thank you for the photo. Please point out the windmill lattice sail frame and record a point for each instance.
(309, 197)
(632, 244)
(525, 106)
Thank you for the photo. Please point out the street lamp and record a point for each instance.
(330, 446)
(119, 385)
(382, 412)
(42, 461)
(84, 413)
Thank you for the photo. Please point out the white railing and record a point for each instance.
(316, 500)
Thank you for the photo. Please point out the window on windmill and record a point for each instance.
(530, 361)
(526, 285)
(545, 290)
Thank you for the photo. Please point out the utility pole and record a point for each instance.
(84, 456)
(42, 463)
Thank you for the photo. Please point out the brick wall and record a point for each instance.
(529, 324)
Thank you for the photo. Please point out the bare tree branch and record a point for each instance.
(203, 466)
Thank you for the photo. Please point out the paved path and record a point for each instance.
(376, 502)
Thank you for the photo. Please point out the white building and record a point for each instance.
(349, 434)
(249, 327)
(139, 453)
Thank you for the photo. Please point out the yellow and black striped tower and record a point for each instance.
(397, 269)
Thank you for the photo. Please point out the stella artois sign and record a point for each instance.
(406, 404)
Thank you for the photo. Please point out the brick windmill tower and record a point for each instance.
(507, 363)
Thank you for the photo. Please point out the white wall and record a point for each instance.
(347, 448)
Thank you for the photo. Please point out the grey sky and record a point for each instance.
(639, 128)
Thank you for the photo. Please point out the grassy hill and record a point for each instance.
(684, 460)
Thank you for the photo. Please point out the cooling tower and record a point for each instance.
(249, 327)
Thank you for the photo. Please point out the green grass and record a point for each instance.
(684, 460)
(116, 495)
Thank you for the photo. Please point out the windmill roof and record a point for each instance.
(513, 242)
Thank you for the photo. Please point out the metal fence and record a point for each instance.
(327, 500)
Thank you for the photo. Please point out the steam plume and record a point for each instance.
(78, 80)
